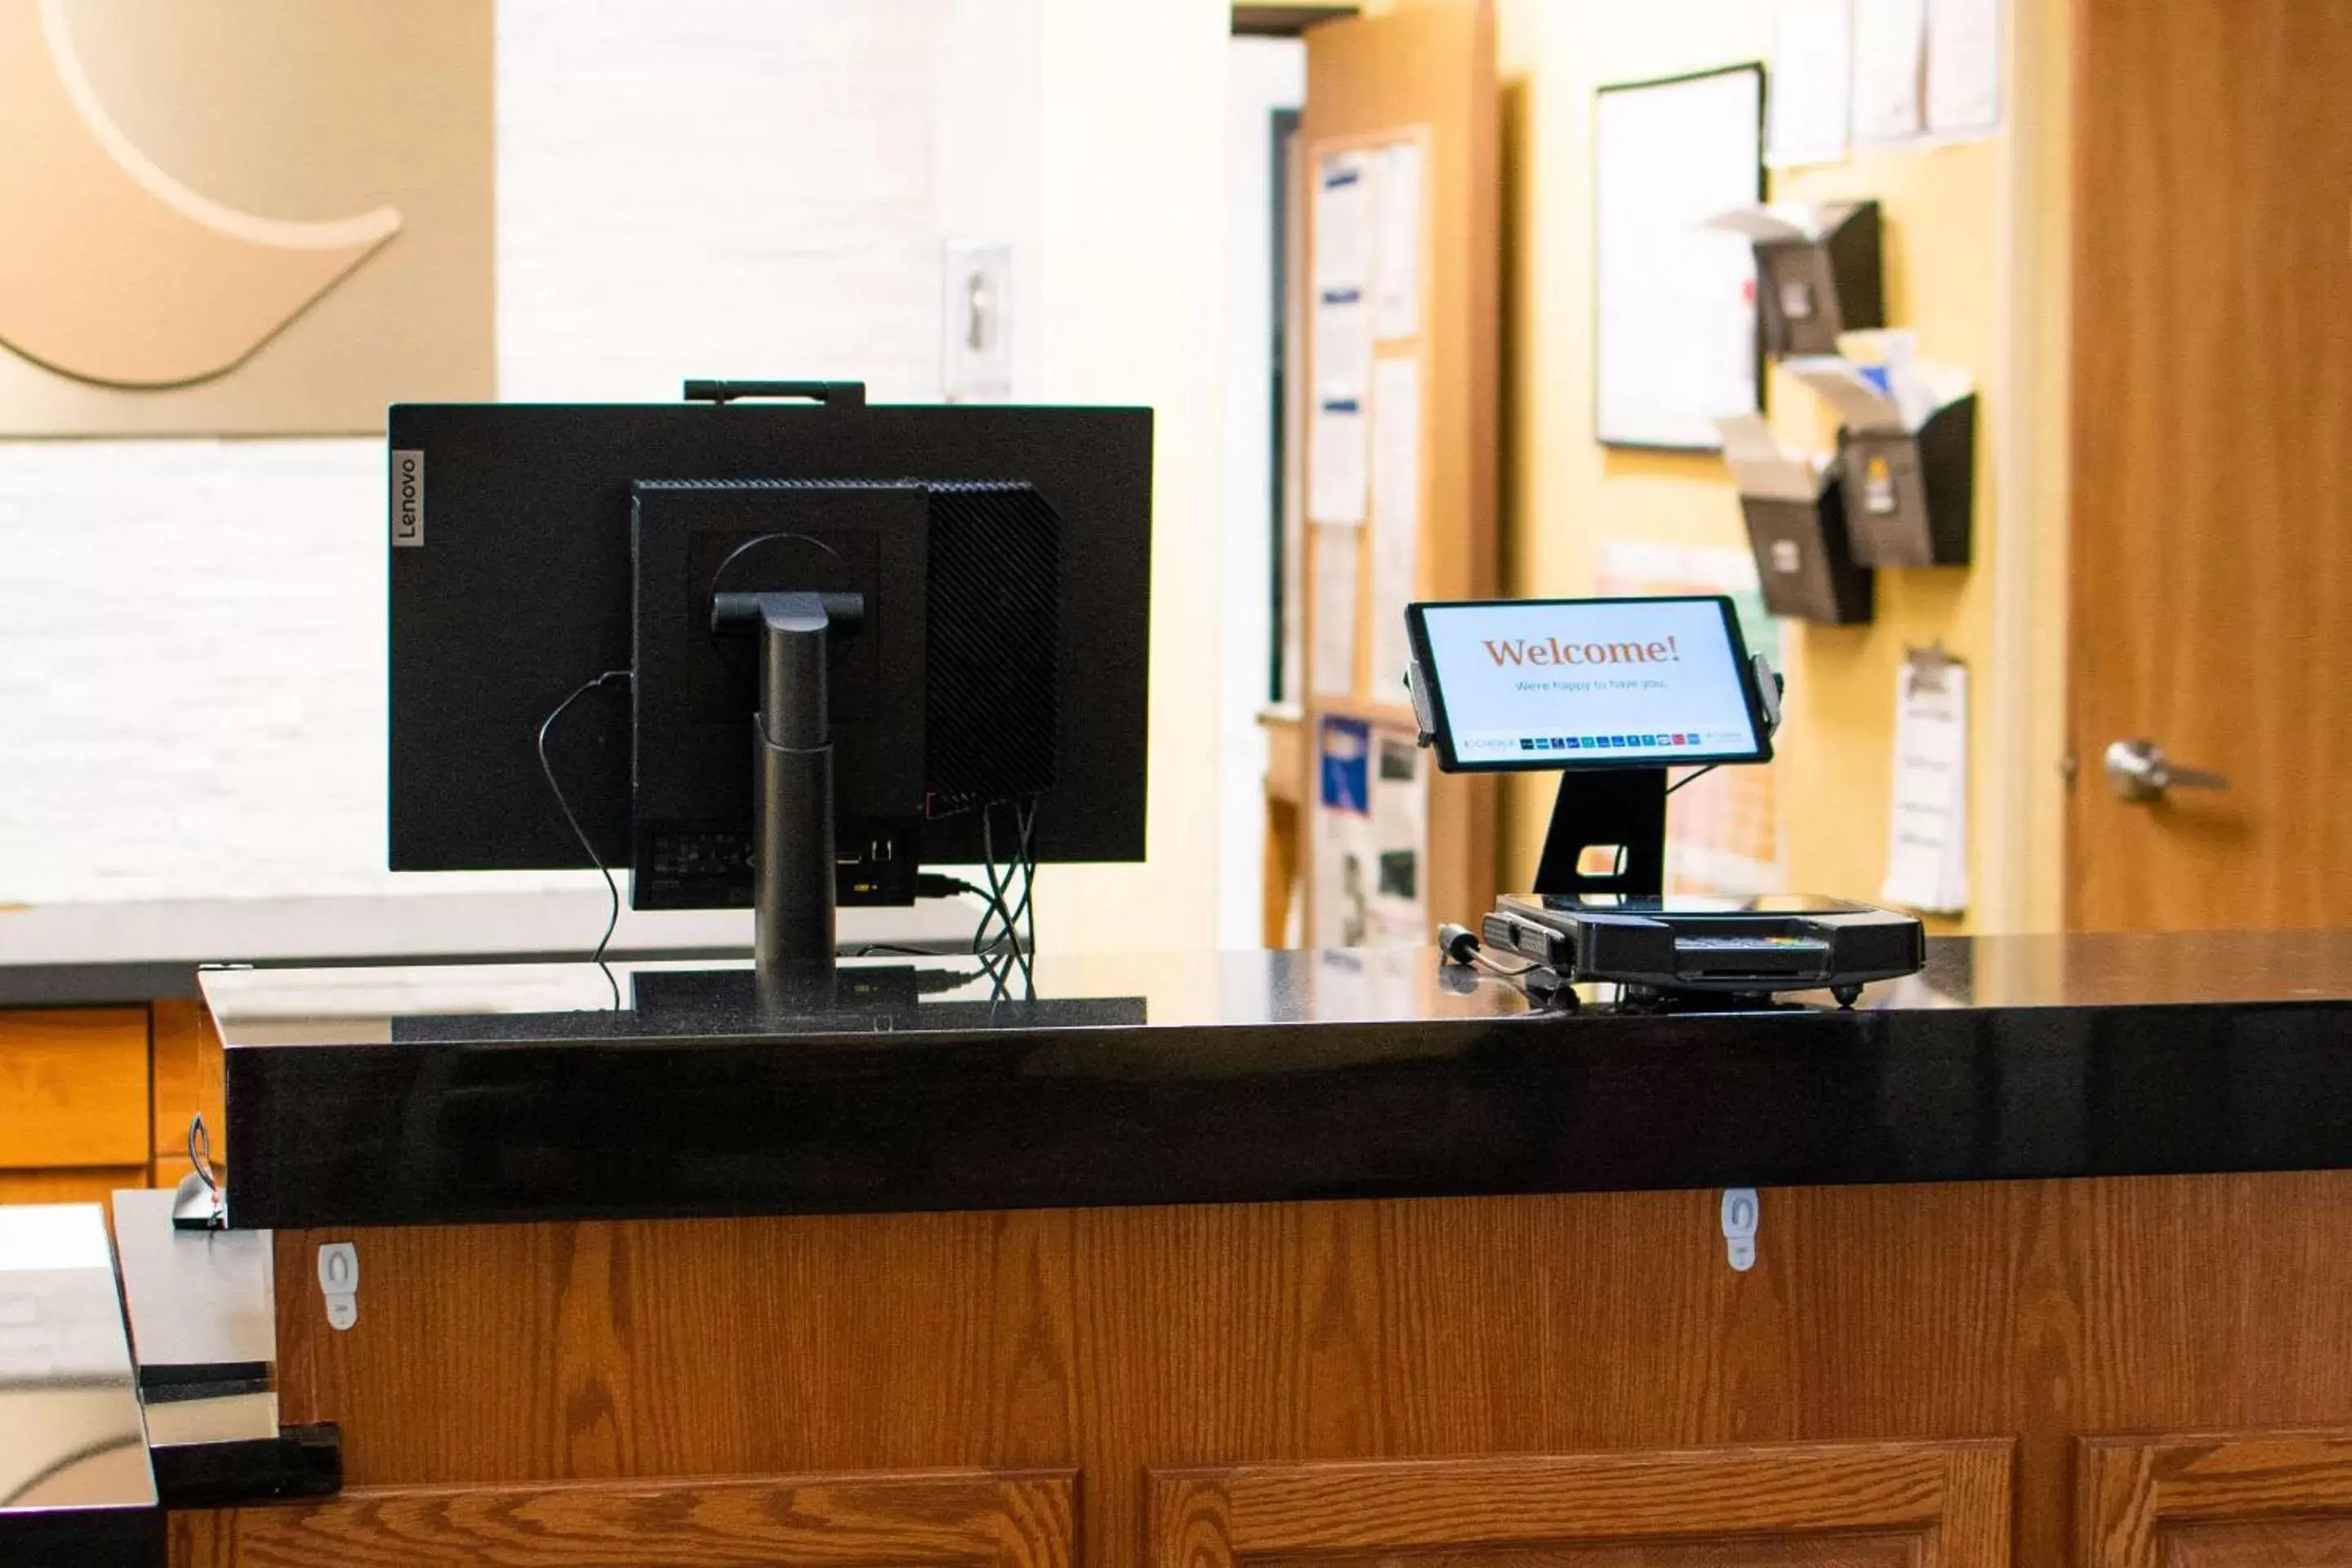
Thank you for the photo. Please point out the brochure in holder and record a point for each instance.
(1908, 459)
(1795, 509)
(1818, 271)
(1611, 694)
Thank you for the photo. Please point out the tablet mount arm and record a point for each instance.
(1604, 809)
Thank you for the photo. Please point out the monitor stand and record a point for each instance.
(1619, 808)
(792, 787)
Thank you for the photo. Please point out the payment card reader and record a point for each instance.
(1612, 694)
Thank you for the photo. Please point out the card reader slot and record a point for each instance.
(1750, 958)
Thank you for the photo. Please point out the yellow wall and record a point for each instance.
(1949, 215)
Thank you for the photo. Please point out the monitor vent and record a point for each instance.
(995, 569)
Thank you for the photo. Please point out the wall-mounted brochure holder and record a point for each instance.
(1907, 460)
(1796, 523)
(1816, 272)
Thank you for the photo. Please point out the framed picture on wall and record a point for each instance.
(1676, 344)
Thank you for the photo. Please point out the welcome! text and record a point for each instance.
(1551, 650)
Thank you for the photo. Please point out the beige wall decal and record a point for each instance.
(241, 216)
(112, 271)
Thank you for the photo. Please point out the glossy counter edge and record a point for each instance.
(461, 1130)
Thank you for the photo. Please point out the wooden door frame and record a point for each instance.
(2023, 830)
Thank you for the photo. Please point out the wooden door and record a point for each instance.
(2212, 477)
(2229, 1500)
(1831, 1505)
(971, 1519)
(1419, 73)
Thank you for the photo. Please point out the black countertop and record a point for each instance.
(457, 1093)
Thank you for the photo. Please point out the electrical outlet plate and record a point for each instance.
(976, 322)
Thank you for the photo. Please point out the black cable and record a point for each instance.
(1024, 813)
(1692, 777)
(611, 889)
(993, 962)
(1461, 945)
(991, 906)
(981, 944)
(1006, 953)
(1029, 869)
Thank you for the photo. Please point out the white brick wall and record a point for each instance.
(707, 187)
(191, 668)
(192, 633)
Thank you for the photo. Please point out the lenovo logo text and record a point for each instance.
(407, 501)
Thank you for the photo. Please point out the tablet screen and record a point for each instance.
(1587, 682)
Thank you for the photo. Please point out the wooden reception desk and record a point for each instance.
(1308, 1258)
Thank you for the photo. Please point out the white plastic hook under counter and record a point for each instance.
(1739, 1215)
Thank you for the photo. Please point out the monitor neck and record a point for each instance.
(793, 895)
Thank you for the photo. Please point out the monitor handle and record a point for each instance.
(792, 830)
(832, 393)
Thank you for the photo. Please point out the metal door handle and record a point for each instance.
(2140, 771)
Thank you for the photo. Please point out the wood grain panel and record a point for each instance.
(73, 1088)
(68, 1186)
(2212, 465)
(1741, 1551)
(187, 1079)
(2319, 1543)
(1935, 1505)
(1118, 1340)
(965, 1519)
(2239, 1499)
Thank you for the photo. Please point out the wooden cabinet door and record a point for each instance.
(968, 1517)
(73, 1088)
(1850, 1505)
(2222, 1500)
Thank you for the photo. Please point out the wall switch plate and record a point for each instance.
(976, 322)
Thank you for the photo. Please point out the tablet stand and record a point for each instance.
(1619, 808)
